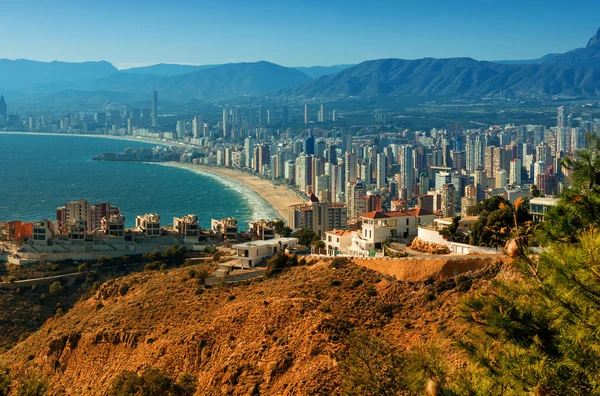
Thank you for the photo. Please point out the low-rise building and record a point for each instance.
(43, 231)
(336, 240)
(114, 225)
(149, 225)
(262, 229)
(16, 231)
(188, 227)
(376, 229)
(251, 254)
(225, 228)
(465, 224)
(539, 207)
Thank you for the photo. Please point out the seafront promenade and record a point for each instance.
(280, 197)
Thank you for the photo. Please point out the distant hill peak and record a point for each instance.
(594, 40)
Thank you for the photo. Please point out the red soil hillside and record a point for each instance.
(276, 336)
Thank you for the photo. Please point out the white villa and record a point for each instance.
(377, 228)
(250, 254)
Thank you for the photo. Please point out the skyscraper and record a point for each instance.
(2, 110)
(407, 169)
(146, 117)
(448, 200)
(561, 133)
(381, 170)
(350, 168)
(198, 127)
(225, 116)
(306, 113)
(262, 116)
(285, 118)
(154, 108)
(136, 117)
(249, 150)
(322, 113)
(515, 172)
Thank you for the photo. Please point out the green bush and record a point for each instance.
(279, 262)
(56, 288)
(153, 266)
(153, 382)
(340, 262)
(32, 386)
(5, 382)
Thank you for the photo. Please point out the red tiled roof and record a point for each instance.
(419, 212)
(339, 232)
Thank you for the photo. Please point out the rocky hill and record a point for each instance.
(272, 336)
(456, 77)
(574, 73)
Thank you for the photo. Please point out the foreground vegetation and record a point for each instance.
(535, 331)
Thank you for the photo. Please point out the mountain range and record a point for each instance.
(574, 73)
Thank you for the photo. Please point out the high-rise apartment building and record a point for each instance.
(224, 122)
(3, 110)
(154, 108)
(198, 127)
(322, 113)
(306, 113)
(516, 165)
(448, 198)
(407, 170)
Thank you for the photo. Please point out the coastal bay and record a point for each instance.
(279, 197)
(50, 169)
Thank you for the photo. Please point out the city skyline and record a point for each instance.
(128, 34)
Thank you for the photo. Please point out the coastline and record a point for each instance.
(114, 137)
(279, 197)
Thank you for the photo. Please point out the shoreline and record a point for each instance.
(279, 197)
(98, 136)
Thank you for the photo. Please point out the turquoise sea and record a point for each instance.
(38, 173)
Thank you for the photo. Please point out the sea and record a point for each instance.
(39, 173)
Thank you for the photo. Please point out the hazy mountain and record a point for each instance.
(588, 56)
(23, 74)
(166, 69)
(173, 69)
(450, 77)
(575, 73)
(318, 71)
(579, 57)
(225, 81)
(537, 61)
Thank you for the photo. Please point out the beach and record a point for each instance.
(280, 197)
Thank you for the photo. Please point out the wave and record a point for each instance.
(261, 208)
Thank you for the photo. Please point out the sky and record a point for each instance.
(291, 32)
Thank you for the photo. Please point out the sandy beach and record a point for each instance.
(279, 197)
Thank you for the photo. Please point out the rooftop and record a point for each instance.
(339, 232)
(270, 242)
(550, 201)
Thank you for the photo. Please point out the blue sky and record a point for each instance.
(291, 32)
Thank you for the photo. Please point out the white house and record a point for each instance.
(377, 228)
(336, 241)
(250, 254)
(539, 207)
